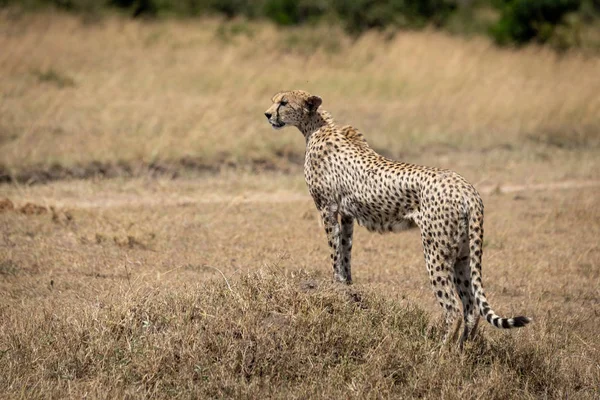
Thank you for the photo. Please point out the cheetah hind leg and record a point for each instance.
(463, 286)
(441, 273)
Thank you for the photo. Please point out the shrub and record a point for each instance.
(361, 15)
(526, 20)
(520, 21)
(288, 12)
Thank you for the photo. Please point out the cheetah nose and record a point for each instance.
(268, 115)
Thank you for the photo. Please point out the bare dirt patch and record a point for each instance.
(6, 205)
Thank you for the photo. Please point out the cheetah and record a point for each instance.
(350, 182)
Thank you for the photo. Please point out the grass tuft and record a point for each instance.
(570, 137)
(51, 75)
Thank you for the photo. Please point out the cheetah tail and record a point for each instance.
(476, 245)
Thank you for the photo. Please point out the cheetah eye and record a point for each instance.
(283, 103)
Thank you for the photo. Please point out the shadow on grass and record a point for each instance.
(39, 174)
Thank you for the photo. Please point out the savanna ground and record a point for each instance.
(157, 239)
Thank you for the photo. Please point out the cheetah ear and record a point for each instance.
(313, 102)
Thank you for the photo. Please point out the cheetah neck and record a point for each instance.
(317, 121)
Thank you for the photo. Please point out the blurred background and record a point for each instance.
(106, 87)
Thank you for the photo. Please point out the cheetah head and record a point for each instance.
(291, 108)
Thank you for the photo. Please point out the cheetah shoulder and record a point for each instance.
(354, 136)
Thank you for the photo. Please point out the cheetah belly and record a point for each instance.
(377, 218)
(383, 227)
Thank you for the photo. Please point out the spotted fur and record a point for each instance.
(350, 182)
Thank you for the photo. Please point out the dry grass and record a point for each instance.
(123, 90)
(272, 334)
(216, 285)
(219, 287)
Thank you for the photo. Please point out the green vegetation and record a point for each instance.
(526, 20)
(561, 23)
(52, 76)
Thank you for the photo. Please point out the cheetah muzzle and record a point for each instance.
(350, 182)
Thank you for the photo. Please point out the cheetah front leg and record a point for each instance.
(333, 231)
(346, 245)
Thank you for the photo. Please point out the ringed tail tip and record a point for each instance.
(520, 321)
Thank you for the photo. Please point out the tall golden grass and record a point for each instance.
(122, 90)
